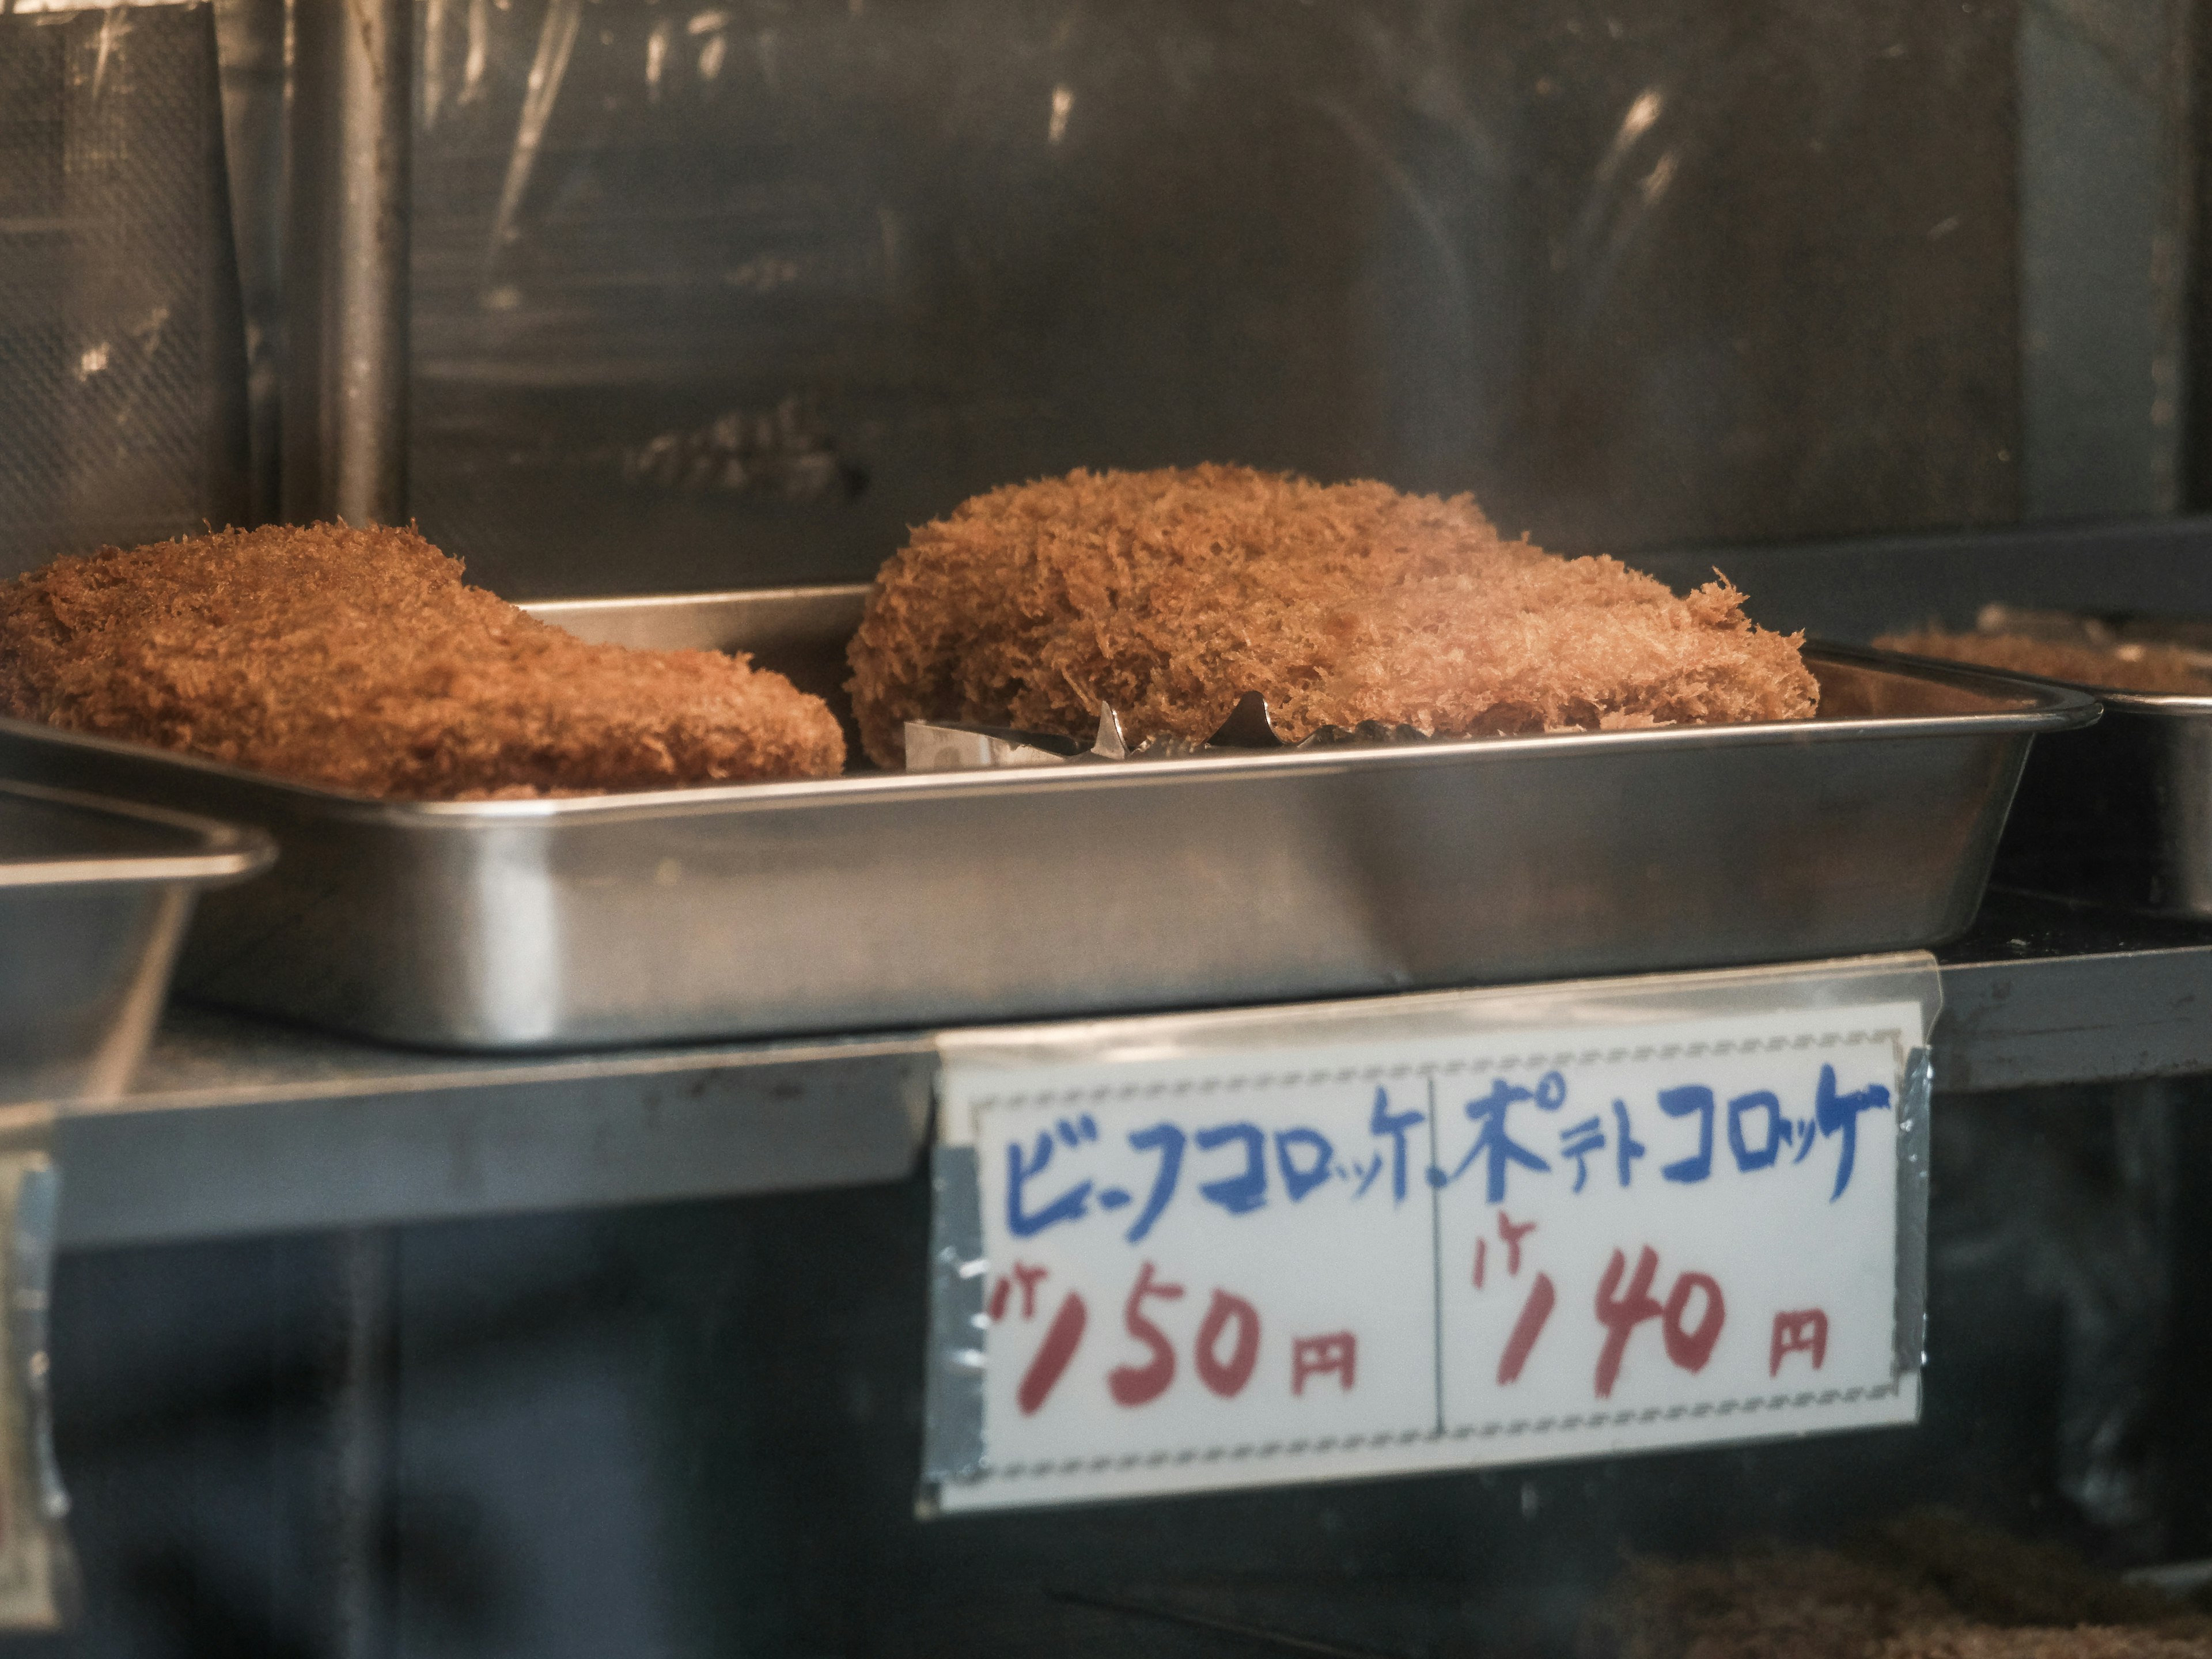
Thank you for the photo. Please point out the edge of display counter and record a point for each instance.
(240, 1125)
(988, 895)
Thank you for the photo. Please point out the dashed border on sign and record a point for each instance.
(1098, 1094)
(1320, 1445)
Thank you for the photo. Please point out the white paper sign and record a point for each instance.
(1295, 1263)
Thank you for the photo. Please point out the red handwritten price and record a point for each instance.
(1224, 1353)
(1290, 1266)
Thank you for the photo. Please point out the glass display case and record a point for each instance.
(1888, 311)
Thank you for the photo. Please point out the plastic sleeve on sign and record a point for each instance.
(1782, 987)
(1061, 1148)
(37, 1568)
(952, 1390)
(1913, 1144)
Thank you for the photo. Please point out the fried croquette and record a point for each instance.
(1928, 1584)
(356, 660)
(1169, 594)
(2158, 669)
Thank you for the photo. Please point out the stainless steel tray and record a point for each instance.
(94, 899)
(874, 901)
(2122, 813)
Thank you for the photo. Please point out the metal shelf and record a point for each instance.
(239, 1126)
(2041, 991)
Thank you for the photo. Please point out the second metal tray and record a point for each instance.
(93, 898)
(872, 901)
(2122, 814)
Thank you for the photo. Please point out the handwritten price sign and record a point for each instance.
(1440, 1242)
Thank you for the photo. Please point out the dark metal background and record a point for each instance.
(730, 295)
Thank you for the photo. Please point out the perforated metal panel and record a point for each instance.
(121, 365)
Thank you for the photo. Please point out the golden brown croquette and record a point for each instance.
(1927, 1584)
(2158, 669)
(356, 660)
(1169, 594)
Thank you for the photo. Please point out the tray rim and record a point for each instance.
(228, 852)
(553, 610)
(2050, 706)
(2176, 703)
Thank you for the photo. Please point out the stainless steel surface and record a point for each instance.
(2121, 813)
(873, 901)
(2106, 1018)
(94, 899)
(345, 390)
(801, 627)
(251, 49)
(952, 1384)
(1916, 1147)
(237, 1126)
(800, 632)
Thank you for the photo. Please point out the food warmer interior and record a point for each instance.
(394, 1317)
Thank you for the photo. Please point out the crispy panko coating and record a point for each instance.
(1169, 594)
(1928, 1584)
(1811, 1604)
(2075, 1641)
(356, 658)
(2152, 668)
